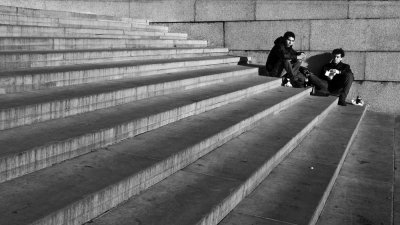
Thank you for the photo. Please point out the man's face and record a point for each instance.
(337, 58)
(289, 42)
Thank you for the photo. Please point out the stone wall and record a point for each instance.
(367, 30)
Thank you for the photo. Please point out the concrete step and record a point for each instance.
(7, 19)
(41, 31)
(45, 77)
(15, 19)
(206, 190)
(296, 190)
(10, 60)
(62, 14)
(29, 148)
(32, 107)
(56, 43)
(78, 190)
(363, 192)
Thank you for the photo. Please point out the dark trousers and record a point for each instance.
(340, 84)
(291, 67)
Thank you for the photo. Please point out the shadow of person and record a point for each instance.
(313, 63)
(316, 62)
(262, 70)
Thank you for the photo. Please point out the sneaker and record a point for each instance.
(286, 82)
(358, 101)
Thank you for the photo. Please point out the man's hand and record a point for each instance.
(302, 56)
(330, 73)
(334, 71)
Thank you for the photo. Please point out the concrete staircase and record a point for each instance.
(107, 120)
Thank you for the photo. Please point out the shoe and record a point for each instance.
(305, 71)
(319, 93)
(342, 102)
(286, 82)
(358, 101)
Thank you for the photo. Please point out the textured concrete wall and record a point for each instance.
(163, 10)
(222, 10)
(260, 35)
(381, 96)
(212, 32)
(374, 9)
(273, 10)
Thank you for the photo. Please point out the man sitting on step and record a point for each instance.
(336, 78)
(283, 56)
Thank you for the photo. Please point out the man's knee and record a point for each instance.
(349, 75)
(287, 62)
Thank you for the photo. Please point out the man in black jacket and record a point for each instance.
(282, 56)
(336, 77)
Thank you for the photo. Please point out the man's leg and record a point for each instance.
(342, 82)
(276, 70)
(291, 68)
(321, 85)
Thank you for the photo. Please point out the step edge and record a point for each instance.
(134, 96)
(75, 78)
(332, 181)
(216, 215)
(103, 143)
(259, 116)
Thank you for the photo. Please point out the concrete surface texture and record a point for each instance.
(366, 176)
(137, 128)
(367, 30)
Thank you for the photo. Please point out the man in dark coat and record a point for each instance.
(336, 77)
(283, 56)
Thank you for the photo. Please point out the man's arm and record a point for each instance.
(323, 71)
(345, 69)
(286, 54)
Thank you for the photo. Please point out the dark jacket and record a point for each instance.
(279, 53)
(342, 67)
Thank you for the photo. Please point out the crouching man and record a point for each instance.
(283, 56)
(336, 77)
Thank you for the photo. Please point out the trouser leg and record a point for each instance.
(291, 68)
(342, 82)
(347, 85)
(276, 70)
(320, 84)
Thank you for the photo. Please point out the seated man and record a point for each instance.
(336, 77)
(282, 56)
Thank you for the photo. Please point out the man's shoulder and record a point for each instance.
(344, 65)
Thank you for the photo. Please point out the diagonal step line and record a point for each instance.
(43, 156)
(76, 209)
(293, 192)
(266, 218)
(14, 60)
(70, 102)
(230, 202)
(363, 190)
(46, 13)
(328, 189)
(229, 133)
(106, 65)
(37, 78)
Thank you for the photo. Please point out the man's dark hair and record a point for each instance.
(338, 51)
(289, 34)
